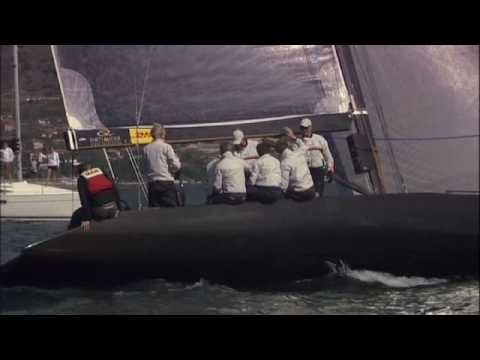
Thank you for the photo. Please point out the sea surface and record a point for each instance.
(347, 291)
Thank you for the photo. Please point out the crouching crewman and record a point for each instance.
(98, 196)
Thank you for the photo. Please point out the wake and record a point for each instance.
(386, 279)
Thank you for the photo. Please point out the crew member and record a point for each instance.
(244, 148)
(318, 155)
(296, 182)
(229, 184)
(98, 196)
(162, 164)
(266, 176)
(211, 168)
(6, 158)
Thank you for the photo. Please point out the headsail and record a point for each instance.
(423, 104)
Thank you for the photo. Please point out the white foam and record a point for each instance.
(199, 283)
(387, 279)
(391, 280)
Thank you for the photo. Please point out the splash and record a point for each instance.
(200, 283)
(386, 279)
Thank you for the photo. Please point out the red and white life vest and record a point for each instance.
(96, 181)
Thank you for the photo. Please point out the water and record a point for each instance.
(357, 291)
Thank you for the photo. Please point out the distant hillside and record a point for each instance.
(42, 119)
(37, 72)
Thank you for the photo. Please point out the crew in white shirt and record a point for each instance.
(229, 184)
(53, 164)
(245, 149)
(296, 181)
(318, 155)
(6, 158)
(162, 164)
(266, 177)
(211, 167)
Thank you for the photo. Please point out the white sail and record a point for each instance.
(116, 86)
(423, 105)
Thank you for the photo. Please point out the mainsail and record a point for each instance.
(201, 91)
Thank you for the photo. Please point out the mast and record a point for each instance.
(17, 113)
(360, 114)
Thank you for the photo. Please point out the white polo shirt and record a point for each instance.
(161, 161)
(294, 168)
(266, 172)
(230, 174)
(321, 156)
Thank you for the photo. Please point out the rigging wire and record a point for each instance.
(139, 111)
(73, 180)
(135, 90)
(144, 86)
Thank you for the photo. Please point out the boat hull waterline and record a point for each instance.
(431, 235)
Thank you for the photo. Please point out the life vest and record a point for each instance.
(96, 181)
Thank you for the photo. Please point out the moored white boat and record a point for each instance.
(28, 201)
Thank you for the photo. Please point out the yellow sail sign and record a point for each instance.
(140, 136)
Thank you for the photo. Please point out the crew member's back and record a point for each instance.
(297, 182)
(265, 179)
(98, 195)
(162, 165)
(229, 183)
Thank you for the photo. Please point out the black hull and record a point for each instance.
(432, 235)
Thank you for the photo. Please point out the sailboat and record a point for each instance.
(383, 219)
(22, 200)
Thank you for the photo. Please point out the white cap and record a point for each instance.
(238, 137)
(306, 123)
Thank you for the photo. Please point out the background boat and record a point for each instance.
(27, 201)
(32, 199)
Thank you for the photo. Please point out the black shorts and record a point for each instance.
(318, 177)
(106, 211)
(53, 168)
(264, 194)
(162, 194)
(302, 195)
(228, 198)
